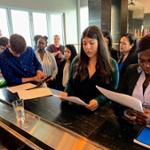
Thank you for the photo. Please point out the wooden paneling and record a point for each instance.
(106, 15)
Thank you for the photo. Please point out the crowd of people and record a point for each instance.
(126, 70)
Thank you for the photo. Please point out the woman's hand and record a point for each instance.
(141, 118)
(147, 114)
(135, 117)
(63, 94)
(93, 105)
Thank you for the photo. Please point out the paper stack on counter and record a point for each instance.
(34, 93)
(21, 87)
(28, 91)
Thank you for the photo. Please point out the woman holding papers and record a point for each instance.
(93, 67)
(19, 64)
(137, 82)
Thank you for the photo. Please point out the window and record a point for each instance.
(30, 23)
(20, 23)
(3, 23)
(57, 26)
(40, 23)
(84, 18)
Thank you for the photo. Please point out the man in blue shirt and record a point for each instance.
(19, 64)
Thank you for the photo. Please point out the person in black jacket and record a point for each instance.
(127, 52)
(136, 82)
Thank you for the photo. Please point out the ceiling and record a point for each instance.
(142, 4)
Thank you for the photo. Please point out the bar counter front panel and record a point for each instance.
(66, 126)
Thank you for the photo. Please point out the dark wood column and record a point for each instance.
(124, 16)
(100, 13)
(119, 18)
(111, 15)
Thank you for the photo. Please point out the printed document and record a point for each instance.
(34, 93)
(123, 99)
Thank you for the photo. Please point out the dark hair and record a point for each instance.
(42, 38)
(73, 51)
(36, 37)
(132, 40)
(45, 37)
(107, 35)
(17, 43)
(104, 65)
(4, 41)
(144, 43)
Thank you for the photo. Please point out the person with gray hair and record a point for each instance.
(57, 49)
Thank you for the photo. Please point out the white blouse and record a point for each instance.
(138, 91)
(65, 74)
(48, 63)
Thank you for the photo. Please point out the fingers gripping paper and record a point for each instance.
(122, 99)
(74, 99)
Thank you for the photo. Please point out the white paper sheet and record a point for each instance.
(73, 99)
(123, 99)
(34, 93)
(17, 88)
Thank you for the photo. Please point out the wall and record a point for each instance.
(147, 20)
(51, 5)
(68, 7)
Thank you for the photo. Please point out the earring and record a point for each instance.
(139, 69)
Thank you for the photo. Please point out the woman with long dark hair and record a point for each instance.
(93, 67)
(64, 67)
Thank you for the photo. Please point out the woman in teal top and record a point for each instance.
(93, 67)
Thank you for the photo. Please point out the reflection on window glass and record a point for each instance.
(56, 26)
(20, 23)
(3, 23)
(84, 17)
(40, 23)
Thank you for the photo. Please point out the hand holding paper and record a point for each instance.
(123, 99)
(73, 99)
